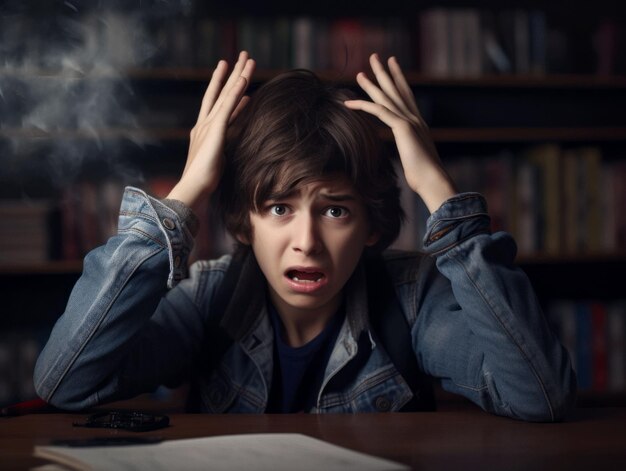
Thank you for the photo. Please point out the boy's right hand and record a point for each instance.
(220, 106)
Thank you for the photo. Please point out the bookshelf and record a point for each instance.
(147, 98)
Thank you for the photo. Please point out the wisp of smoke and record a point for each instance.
(64, 92)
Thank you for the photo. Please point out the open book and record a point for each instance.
(275, 452)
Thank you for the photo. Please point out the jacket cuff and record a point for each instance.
(459, 218)
(160, 223)
(185, 214)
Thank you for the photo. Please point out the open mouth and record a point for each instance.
(300, 276)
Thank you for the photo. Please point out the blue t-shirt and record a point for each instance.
(299, 371)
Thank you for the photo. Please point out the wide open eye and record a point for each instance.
(278, 210)
(337, 212)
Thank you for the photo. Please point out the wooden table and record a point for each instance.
(452, 440)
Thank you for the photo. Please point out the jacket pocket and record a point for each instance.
(382, 391)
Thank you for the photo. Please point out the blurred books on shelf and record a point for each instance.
(555, 201)
(89, 211)
(27, 235)
(593, 332)
(437, 41)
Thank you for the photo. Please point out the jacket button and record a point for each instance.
(169, 224)
(382, 404)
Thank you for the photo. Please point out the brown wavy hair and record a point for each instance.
(296, 130)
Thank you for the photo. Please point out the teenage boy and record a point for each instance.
(310, 199)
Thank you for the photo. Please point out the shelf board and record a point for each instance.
(528, 134)
(440, 135)
(139, 134)
(43, 268)
(560, 81)
(578, 258)
(415, 78)
(578, 81)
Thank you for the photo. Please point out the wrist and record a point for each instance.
(435, 189)
(191, 196)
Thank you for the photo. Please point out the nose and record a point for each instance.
(306, 237)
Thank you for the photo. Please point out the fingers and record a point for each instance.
(217, 91)
(375, 93)
(213, 90)
(237, 69)
(402, 84)
(386, 83)
(382, 112)
(243, 67)
(224, 113)
(392, 91)
(232, 102)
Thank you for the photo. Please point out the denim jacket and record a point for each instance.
(135, 321)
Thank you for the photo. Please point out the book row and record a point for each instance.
(461, 42)
(26, 237)
(594, 333)
(553, 200)
(437, 41)
(85, 217)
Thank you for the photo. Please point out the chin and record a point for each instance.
(307, 303)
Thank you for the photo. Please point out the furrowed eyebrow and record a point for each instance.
(281, 195)
(339, 197)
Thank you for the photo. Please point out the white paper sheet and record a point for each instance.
(275, 452)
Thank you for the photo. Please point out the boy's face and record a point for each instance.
(308, 243)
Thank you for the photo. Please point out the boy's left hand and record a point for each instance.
(394, 104)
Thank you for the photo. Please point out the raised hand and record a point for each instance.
(394, 104)
(221, 104)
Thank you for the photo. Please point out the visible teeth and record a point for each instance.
(295, 278)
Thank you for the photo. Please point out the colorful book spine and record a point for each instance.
(593, 332)
(584, 359)
(599, 346)
(554, 201)
(616, 346)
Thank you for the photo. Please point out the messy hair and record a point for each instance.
(296, 130)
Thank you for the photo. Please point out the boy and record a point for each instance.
(309, 199)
